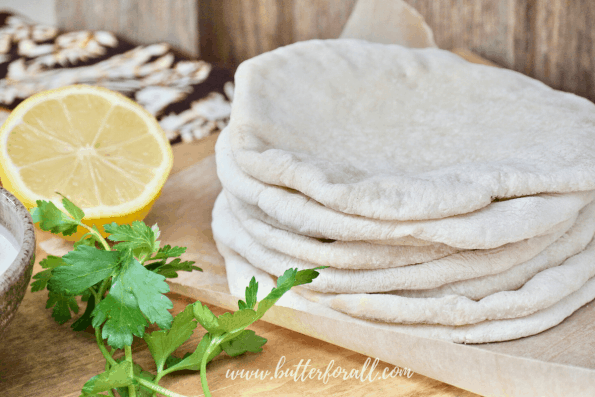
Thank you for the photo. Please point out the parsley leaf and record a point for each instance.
(51, 219)
(192, 361)
(205, 317)
(163, 343)
(116, 376)
(135, 293)
(42, 277)
(246, 341)
(62, 305)
(291, 278)
(284, 284)
(72, 209)
(251, 292)
(137, 237)
(169, 270)
(148, 288)
(173, 360)
(88, 266)
(306, 276)
(52, 262)
(168, 252)
(231, 322)
(124, 317)
(86, 319)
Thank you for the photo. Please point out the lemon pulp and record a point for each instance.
(96, 147)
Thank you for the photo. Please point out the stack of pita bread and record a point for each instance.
(440, 193)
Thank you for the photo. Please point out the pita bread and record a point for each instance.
(460, 266)
(542, 291)
(493, 226)
(339, 254)
(415, 133)
(239, 273)
(405, 240)
(571, 243)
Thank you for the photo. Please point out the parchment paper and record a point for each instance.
(388, 22)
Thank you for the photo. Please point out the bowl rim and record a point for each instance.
(27, 249)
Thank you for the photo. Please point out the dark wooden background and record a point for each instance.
(551, 40)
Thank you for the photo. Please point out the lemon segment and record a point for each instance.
(100, 149)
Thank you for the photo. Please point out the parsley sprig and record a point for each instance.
(123, 285)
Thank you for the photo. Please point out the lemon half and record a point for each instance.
(103, 151)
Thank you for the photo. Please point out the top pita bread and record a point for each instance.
(492, 226)
(415, 133)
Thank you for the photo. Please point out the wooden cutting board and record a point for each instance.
(557, 362)
(39, 358)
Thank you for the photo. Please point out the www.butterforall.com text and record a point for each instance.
(303, 371)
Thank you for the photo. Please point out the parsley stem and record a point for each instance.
(203, 374)
(203, 364)
(98, 235)
(162, 373)
(102, 291)
(106, 354)
(157, 388)
(95, 295)
(128, 353)
(143, 258)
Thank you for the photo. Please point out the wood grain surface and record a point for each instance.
(233, 31)
(553, 41)
(142, 22)
(39, 358)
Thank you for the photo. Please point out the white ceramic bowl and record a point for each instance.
(15, 279)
